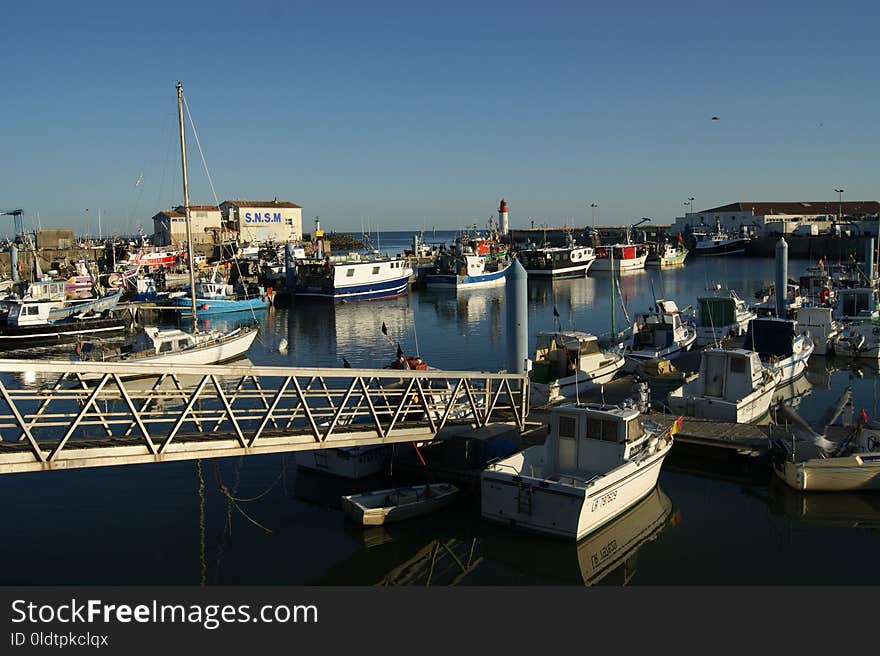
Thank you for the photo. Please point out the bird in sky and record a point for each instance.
(715, 118)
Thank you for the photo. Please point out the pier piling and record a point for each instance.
(781, 277)
(517, 318)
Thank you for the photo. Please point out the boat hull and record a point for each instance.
(208, 306)
(452, 281)
(856, 472)
(566, 511)
(729, 247)
(406, 503)
(632, 264)
(570, 386)
(751, 408)
(13, 337)
(368, 292)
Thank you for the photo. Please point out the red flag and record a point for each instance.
(864, 417)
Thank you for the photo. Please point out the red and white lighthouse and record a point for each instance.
(503, 225)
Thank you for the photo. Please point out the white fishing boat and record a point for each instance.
(468, 271)
(568, 261)
(597, 461)
(662, 332)
(397, 504)
(620, 257)
(781, 346)
(567, 363)
(733, 386)
(720, 242)
(720, 317)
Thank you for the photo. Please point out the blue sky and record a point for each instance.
(405, 114)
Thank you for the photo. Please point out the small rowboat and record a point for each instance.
(397, 504)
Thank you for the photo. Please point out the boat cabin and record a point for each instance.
(857, 303)
(152, 340)
(730, 375)
(587, 440)
(31, 313)
(560, 354)
(657, 328)
(719, 311)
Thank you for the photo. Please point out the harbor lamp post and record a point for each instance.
(593, 207)
(839, 204)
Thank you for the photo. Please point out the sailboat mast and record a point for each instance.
(189, 245)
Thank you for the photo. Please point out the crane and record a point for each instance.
(644, 219)
(16, 215)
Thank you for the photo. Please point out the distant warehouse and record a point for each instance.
(55, 238)
(263, 220)
(772, 218)
(169, 226)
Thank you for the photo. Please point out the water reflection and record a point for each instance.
(853, 509)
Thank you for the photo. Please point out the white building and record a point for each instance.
(263, 220)
(169, 226)
(770, 218)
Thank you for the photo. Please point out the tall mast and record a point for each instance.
(189, 244)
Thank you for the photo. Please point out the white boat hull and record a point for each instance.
(670, 352)
(857, 472)
(632, 264)
(751, 408)
(567, 511)
(394, 505)
(570, 386)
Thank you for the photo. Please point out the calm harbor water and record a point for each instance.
(169, 524)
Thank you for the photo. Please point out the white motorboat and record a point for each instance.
(733, 386)
(718, 317)
(854, 464)
(597, 461)
(396, 504)
(857, 310)
(660, 333)
(781, 346)
(570, 362)
(823, 328)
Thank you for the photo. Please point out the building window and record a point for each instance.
(288, 221)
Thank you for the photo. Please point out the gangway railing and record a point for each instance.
(69, 414)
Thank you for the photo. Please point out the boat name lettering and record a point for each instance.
(262, 217)
(604, 500)
(603, 553)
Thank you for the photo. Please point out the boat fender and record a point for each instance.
(652, 445)
(204, 306)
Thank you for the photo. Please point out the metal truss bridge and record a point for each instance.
(70, 414)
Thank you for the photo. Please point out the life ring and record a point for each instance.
(824, 295)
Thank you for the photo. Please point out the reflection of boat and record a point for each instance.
(597, 461)
(397, 504)
(570, 362)
(604, 552)
(840, 508)
(732, 386)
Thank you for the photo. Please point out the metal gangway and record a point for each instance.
(70, 414)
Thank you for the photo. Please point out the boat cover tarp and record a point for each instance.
(716, 312)
(770, 337)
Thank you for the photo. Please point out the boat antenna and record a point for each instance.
(189, 245)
